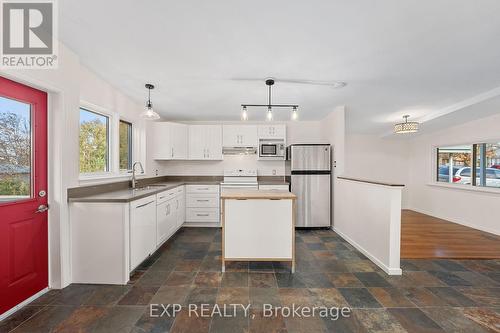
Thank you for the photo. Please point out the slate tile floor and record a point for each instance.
(431, 296)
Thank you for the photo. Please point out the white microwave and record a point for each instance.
(272, 150)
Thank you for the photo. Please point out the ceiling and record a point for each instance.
(397, 56)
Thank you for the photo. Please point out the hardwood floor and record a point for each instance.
(424, 236)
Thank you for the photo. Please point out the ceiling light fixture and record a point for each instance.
(149, 113)
(406, 126)
(270, 106)
(295, 114)
(244, 114)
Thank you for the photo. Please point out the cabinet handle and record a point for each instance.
(177, 207)
(203, 189)
(204, 200)
(202, 214)
(172, 151)
(162, 197)
(147, 203)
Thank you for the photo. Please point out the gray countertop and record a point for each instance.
(128, 195)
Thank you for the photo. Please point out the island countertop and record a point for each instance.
(256, 194)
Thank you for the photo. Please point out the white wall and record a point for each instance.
(66, 86)
(369, 217)
(468, 207)
(383, 159)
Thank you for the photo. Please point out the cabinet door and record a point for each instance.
(272, 131)
(162, 228)
(248, 135)
(142, 229)
(231, 136)
(197, 149)
(179, 141)
(181, 210)
(213, 140)
(162, 142)
(172, 216)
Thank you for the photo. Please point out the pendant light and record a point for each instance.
(295, 115)
(244, 114)
(149, 113)
(269, 115)
(406, 126)
(270, 106)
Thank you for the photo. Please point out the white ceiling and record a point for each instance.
(397, 56)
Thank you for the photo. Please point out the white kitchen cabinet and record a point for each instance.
(202, 204)
(275, 131)
(170, 141)
(239, 136)
(142, 229)
(205, 142)
(166, 222)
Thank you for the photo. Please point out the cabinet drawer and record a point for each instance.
(274, 187)
(202, 189)
(201, 200)
(202, 215)
(166, 195)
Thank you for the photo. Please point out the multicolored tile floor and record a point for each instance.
(430, 296)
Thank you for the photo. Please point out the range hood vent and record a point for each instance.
(239, 151)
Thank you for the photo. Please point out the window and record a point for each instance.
(452, 162)
(94, 142)
(476, 165)
(125, 146)
(15, 150)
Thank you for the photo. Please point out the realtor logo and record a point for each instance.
(28, 34)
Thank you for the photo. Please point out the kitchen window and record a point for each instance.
(94, 142)
(477, 165)
(125, 149)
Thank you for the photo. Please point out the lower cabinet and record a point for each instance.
(142, 229)
(170, 213)
(202, 204)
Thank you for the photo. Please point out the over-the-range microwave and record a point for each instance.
(272, 149)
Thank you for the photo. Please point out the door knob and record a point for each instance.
(42, 208)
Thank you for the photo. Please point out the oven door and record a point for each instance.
(268, 150)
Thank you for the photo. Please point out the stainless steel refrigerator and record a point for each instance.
(309, 166)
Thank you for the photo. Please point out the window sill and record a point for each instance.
(106, 178)
(463, 187)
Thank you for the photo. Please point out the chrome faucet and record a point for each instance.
(134, 182)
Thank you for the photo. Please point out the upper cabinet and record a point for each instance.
(272, 132)
(205, 142)
(240, 136)
(170, 141)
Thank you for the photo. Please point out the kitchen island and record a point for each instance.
(258, 225)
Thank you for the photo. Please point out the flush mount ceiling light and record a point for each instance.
(406, 126)
(270, 106)
(149, 113)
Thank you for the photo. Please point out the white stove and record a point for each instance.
(240, 178)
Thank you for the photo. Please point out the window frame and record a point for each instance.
(469, 187)
(109, 131)
(138, 147)
(130, 143)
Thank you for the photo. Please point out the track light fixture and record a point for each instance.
(270, 106)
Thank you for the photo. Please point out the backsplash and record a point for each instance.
(216, 168)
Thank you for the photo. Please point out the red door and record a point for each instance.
(23, 193)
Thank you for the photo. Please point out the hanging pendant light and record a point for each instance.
(149, 113)
(269, 115)
(295, 115)
(406, 126)
(244, 114)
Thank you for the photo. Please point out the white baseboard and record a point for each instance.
(388, 270)
(473, 226)
(23, 304)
